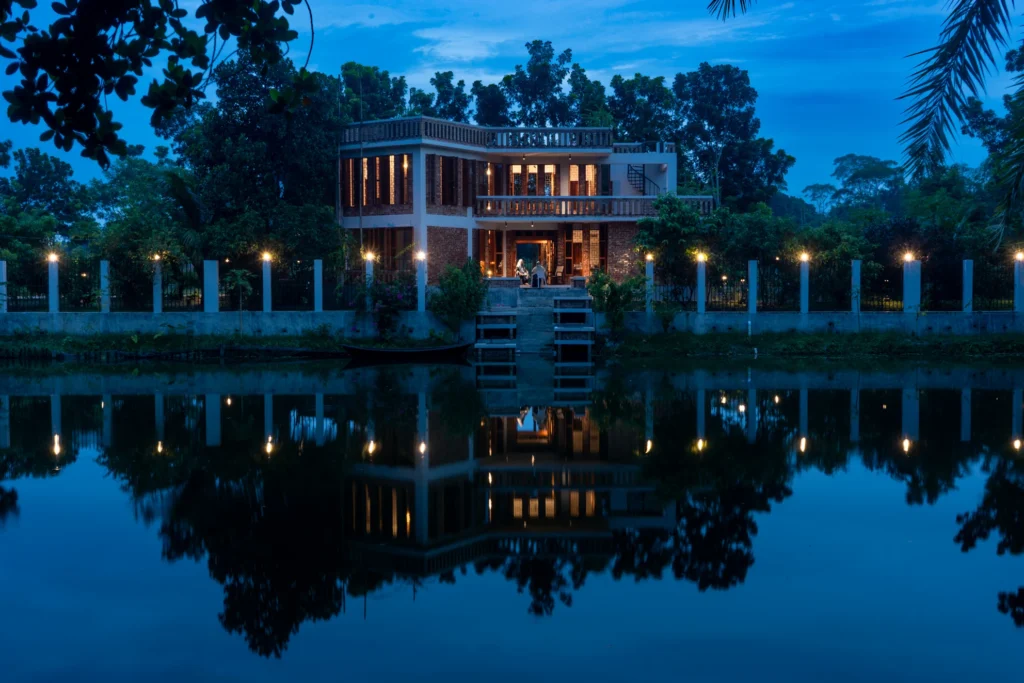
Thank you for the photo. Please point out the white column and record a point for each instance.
(318, 286)
(649, 274)
(419, 198)
(968, 299)
(752, 288)
(54, 293)
(213, 419)
(469, 242)
(1018, 286)
(369, 285)
(912, 287)
(211, 288)
(3, 286)
(55, 426)
(421, 284)
(965, 415)
(702, 283)
(104, 286)
(805, 287)
(855, 286)
(267, 307)
(158, 288)
(504, 250)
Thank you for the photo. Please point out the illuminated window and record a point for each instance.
(391, 178)
(591, 503)
(591, 181)
(574, 503)
(531, 179)
(376, 180)
(366, 173)
(517, 180)
(350, 171)
(549, 506)
(534, 507)
(549, 180)
(517, 508)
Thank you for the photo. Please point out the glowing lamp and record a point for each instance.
(51, 257)
(156, 257)
(423, 447)
(803, 444)
(368, 256)
(908, 257)
(266, 256)
(906, 445)
(649, 257)
(649, 447)
(1019, 256)
(804, 257)
(421, 255)
(701, 257)
(1016, 444)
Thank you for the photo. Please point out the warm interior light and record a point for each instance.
(908, 257)
(51, 257)
(804, 257)
(906, 445)
(368, 256)
(803, 444)
(701, 257)
(421, 255)
(266, 256)
(649, 447)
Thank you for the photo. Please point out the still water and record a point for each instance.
(315, 523)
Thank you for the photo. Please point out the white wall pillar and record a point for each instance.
(267, 301)
(421, 284)
(419, 198)
(53, 290)
(912, 287)
(805, 287)
(369, 284)
(752, 288)
(211, 287)
(1018, 286)
(318, 286)
(158, 288)
(3, 286)
(104, 286)
(649, 274)
(469, 242)
(55, 423)
(968, 298)
(504, 251)
(855, 285)
(702, 286)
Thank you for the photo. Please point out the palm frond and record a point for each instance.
(1008, 171)
(724, 9)
(950, 72)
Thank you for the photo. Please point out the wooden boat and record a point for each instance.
(418, 354)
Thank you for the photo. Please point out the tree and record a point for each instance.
(536, 91)
(450, 101)
(372, 94)
(674, 236)
(587, 103)
(821, 195)
(95, 49)
(44, 184)
(491, 104)
(641, 107)
(867, 181)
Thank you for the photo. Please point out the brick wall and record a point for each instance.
(623, 261)
(446, 246)
(380, 210)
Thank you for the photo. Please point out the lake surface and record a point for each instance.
(313, 523)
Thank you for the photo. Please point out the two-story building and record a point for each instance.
(568, 198)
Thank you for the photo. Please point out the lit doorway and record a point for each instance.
(534, 251)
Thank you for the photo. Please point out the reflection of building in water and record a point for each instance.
(538, 482)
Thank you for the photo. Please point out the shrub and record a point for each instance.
(614, 299)
(460, 295)
(388, 298)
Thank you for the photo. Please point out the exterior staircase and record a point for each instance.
(641, 183)
(495, 349)
(574, 329)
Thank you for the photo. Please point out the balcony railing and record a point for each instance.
(623, 207)
(393, 130)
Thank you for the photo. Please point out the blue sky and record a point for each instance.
(828, 73)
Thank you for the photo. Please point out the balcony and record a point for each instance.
(633, 207)
(425, 128)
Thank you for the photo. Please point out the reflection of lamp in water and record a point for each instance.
(743, 408)
(803, 444)
(906, 445)
(1016, 444)
(490, 479)
(408, 520)
(270, 445)
(228, 400)
(701, 445)
(776, 399)
(371, 447)
(649, 447)
(159, 446)
(723, 400)
(56, 444)
(423, 447)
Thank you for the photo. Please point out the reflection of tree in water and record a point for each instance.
(8, 505)
(1001, 511)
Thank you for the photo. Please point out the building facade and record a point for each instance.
(568, 198)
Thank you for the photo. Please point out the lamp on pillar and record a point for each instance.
(650, 282)
(805, 282)
(1018, 282)
(421, 281)
(52, 291)
(702, 275)
(369, 258)
(911, 283)
(158, 285)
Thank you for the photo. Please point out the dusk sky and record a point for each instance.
(828, 73)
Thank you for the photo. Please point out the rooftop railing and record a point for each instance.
(422, 127)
